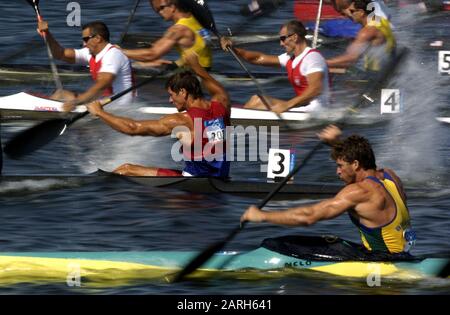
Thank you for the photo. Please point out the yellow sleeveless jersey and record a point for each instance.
(374, 57)
(394, 237)
(201, 46)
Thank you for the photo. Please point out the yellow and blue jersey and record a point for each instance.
(201, 46)
(394, 237)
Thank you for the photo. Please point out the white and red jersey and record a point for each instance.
(110, 60)
(298, 68)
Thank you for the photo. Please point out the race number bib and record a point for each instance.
(410, 239)
(215, 130)
(206, 35)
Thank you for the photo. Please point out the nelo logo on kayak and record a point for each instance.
(298, 263)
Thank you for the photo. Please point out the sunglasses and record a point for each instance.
(284, 37)
(87, 38)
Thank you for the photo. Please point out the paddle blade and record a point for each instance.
(200, 10)
(205, 255)
(260, 7)
(198, 261)
(34, 3)
(34, 138)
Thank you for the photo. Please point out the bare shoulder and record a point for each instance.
(175, 32)
(356, 192)
(367, 33)
(179, 31)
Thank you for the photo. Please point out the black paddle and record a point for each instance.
(39, 135)
(214, 248)
(201, 11)
(205, 255)
(130, 18)
(260, 7)
(35, 5)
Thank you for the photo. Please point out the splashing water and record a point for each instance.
(414, 136)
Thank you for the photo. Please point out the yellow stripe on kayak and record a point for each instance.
(37, 269)
(358, 269)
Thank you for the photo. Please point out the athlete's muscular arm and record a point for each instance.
(355, 50)
(104, 80)
(59, 52)
(254, 57)
(156, 128)
(346, 199)
(161, 47)
(215, 89)
(313, 90)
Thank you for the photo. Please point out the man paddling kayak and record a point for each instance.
(306, 69)
(375, 41)
(186, 35)
(201, 128)
(110, 68)
(374, 199)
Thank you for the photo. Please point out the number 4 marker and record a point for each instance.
(391, 101)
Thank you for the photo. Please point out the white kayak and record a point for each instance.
(443, 119)
(27, 106)
(239, 114)
(24, 106)
(293, 119)
(26, 101)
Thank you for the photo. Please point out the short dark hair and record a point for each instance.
(180, 5)
(185, 80)
(339, 7)
(98, 28)
(295, 27)
(363, 5)
(355, 148)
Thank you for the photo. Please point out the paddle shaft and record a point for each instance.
(32, 139)
(261, 92)
(281, 184)
(207, 20)
(316, 29)
(130, 18)
(255, 81)
(56, 77)
(205, 255)
(108, 100)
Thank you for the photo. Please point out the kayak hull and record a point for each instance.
(200, 185)
(123, 267)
